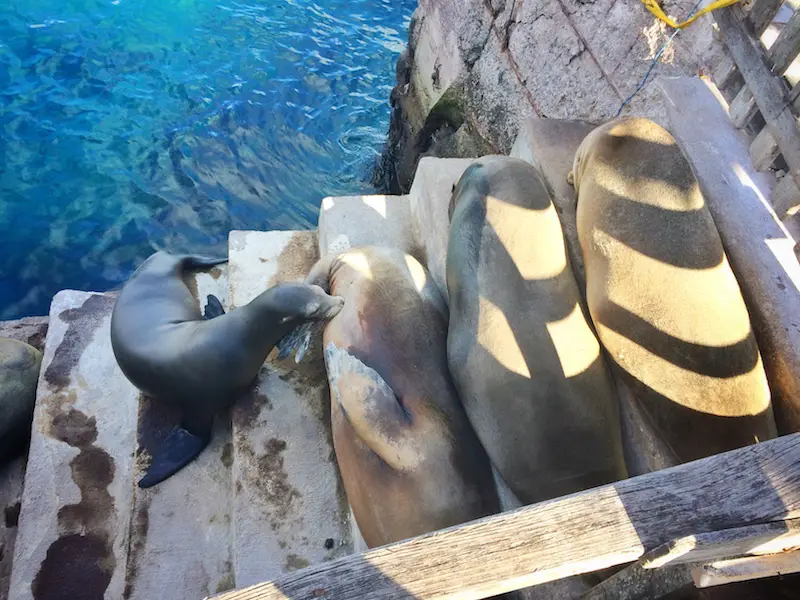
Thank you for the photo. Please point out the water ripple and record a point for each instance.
(131, 125)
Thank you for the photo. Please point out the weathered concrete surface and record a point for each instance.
(180, 530)
(474, 69)
(760, 250)
(430, 199)
(290, 510)
(350, 221)
(31, 330)
(76, 506)
(550, 145)
(12, 478)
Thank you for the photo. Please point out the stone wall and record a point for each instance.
(474, 68)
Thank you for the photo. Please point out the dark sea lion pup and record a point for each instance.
(168, 350)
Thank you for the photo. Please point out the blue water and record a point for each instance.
(133, 125)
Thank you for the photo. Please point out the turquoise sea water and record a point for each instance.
(133, 125)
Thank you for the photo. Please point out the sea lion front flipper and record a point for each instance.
(297, 341)
(213, 308)
(179, 449)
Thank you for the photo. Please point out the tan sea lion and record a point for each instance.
(524, 359)
(19, 374)
(409, 459)
(662, 295)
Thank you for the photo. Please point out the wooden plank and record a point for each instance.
(746, 569)
(669, 567)
(766, 538)
(764, 150)
(584, 532)
(786, 46)
(761, 15)
(743, 108)
(780, 56)
(724, 72)
(770, 92)
(785, 198)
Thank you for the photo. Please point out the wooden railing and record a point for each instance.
(715, 518)
(764, 101)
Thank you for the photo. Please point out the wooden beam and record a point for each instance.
(785, 198)
(764, 150)
(769, 91)
(745, 569)
(724, 72)
(584, 532)
(762, 14)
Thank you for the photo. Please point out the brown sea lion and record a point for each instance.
(19, 374)
(524, 359)
(409, 459)
(662, 295)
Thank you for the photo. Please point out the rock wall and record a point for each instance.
(474, 69)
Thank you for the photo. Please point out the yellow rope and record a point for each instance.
(653, 7)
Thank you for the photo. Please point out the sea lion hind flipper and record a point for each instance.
(191, 261)
(179, 449)
(213, 308)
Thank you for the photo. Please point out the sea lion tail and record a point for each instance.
(179, 449)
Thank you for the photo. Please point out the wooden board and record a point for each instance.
(746, 569)
(770, 93)
(584, 532)
(761, 15)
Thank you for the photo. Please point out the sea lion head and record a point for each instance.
(298, 303)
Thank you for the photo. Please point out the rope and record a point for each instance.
(654, 8)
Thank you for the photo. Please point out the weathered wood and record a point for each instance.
(724, 72)
(764, 150)
(780, 56)
(745, 569)
(584, 532)
(743, 108)
(787, 46)
(762, 14)
(769, 91)
(766, 538)
(637, 583)
(785, 198)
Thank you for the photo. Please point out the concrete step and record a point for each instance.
(430, 199)
(350, 221)
(85, 530)
(289, 507)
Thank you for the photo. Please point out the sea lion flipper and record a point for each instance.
(213, 308)
(179, 449)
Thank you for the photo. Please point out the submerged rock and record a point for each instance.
(19, 374)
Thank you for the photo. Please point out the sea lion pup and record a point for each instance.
(409, 459)
(524, 359)
(167, 350)
(662, 295)
(19, 374)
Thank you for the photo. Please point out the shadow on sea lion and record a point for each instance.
(660, 290)
(168, 350)
(409, 459)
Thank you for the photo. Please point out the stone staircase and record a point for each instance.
(265, 498)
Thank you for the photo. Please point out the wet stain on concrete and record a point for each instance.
(295, 563)
(83, 322)
(11, 514)
(80, 563)
(248, 408)
(296, 259)
(227, 455)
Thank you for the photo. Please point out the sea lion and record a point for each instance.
(409, 460)
(166, 349)
(662, 295)
(19, 374)
(524, 359)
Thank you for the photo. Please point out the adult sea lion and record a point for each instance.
(19, 374)
(166, 349)
(409, 459)
(524, 359)
(662, 295)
